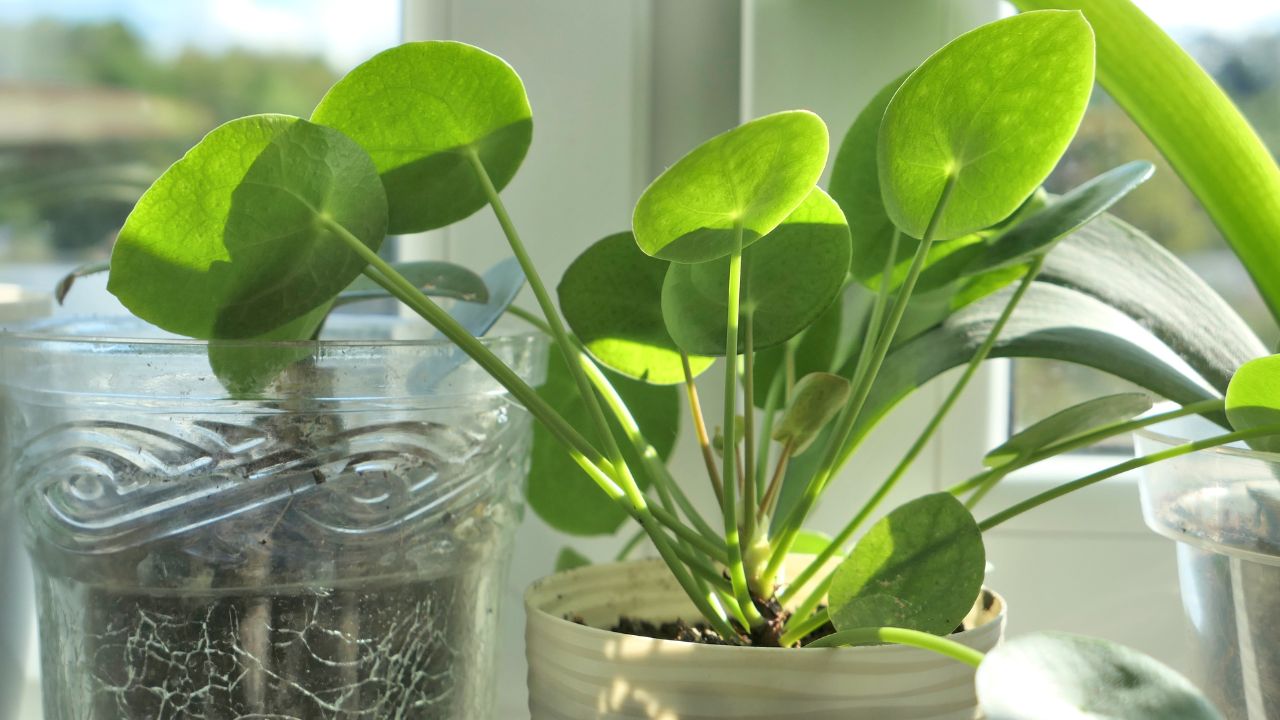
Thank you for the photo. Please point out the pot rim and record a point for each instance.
(1223, 450)
(600, 633)
(114, 330)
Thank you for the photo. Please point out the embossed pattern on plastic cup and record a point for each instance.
(331, 547)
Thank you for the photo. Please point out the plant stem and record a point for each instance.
(700, 427)
(728, 504)
(902, 636)
(749, 495)
(819, 593)
(586, 456)
(1124, 467)
(984, 480)
(770, 499)
(797, 631)
(849, 415)
(655, 468)
(875, 323)
(582, 451)
(558, 331)
(925, 436)
(766, 433)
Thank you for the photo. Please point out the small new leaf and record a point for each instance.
(817, 398)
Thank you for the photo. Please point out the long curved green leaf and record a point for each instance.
(1051, 322)
(1112, 261)
(1069, 423)
(1193, 122)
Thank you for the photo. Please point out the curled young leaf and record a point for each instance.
(920, 567)
(244, 234)
(64, 285)
(750, 177)
(421, 110)
(1056, 675)
(791, 277)
(611, 296)
(990, 114)
(816, 400)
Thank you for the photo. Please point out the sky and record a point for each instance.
(345, 32)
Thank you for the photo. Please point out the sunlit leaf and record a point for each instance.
(991, 113)
(421, 110)
(1253, 399)
(791, 276)
(236, 239)
(752, 176)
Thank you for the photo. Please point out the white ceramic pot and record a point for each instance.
(580, 672)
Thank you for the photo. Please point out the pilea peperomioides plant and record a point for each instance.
(825, 308)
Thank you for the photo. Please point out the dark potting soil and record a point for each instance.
(701, 633)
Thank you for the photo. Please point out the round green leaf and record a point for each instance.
(568, 559)
(792, 276)
(1069, 423)
(751, 177)
(920, 567)
(1056, 675)
(234, 240)
(1253, 399)
(558, 490)
(611, 296)
(991, 112)
(420, 110)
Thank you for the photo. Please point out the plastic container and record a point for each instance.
(580, 671)
(16, 306)
(332, 546)
(1222, 507)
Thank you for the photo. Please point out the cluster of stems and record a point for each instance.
(730, 571)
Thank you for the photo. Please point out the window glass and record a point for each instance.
(1238, 43)
(97, 97)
